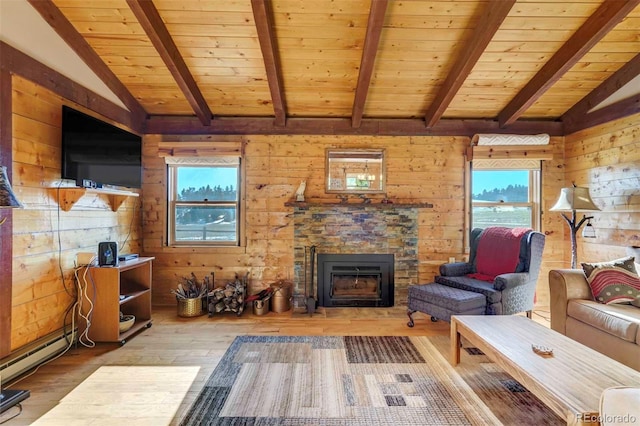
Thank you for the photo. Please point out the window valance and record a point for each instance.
(500, 147)
(515, 164)
(202, 161)
(200, 152)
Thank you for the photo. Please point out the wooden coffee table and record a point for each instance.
(569, 382)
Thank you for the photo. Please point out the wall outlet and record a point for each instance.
(85, 258)
(452, 260)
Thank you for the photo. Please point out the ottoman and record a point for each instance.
(441, 301)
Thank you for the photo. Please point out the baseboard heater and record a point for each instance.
(35, 354)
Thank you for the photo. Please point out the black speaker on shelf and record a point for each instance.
(108, 253)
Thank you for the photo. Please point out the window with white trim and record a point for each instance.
(204, 201)
(505, 193)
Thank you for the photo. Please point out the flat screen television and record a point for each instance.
(98, 153)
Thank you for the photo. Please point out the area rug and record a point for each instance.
(119, 395)
(352, 380)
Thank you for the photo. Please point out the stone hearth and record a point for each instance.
(357, 229)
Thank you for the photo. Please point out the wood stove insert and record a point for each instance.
(356, 280)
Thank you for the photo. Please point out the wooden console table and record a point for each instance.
(570, 382)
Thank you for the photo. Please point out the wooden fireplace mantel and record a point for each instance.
(377, 205)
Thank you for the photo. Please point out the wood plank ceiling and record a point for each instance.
(370, 66)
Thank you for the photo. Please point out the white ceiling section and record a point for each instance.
(626, 91)
(23, 28)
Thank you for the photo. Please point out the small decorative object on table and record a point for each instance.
(542, 350)
(190, 294)
(126, 322)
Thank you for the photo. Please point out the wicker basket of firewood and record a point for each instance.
(190, 307)
(191, 295)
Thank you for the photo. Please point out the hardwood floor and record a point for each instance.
(201, 341)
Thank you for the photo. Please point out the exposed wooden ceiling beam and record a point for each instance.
(608, 15)
(150, 20)
(269, 47)
(624, 75)
(490, 21)
(615, 111)
(168, 125)
(74, 39)
(369, 51)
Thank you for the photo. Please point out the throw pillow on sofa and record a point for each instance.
(613, 282)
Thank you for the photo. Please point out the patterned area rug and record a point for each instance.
(358, 380)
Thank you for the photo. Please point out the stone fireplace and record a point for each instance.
(358, 229)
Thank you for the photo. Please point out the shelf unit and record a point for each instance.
(131, 279)
(69, 195)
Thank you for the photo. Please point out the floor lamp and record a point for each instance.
(10, 397)
(572, 200)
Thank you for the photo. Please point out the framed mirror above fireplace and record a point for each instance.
(355, 171)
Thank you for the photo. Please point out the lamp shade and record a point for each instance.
(574, 198)
(7, 197)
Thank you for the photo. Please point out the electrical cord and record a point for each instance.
(35, 369)
(83, 338)
(64, 282)
(75, 310)
(133, 215)
(70, 308)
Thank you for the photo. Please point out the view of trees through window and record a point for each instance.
(198, 214)
(513, 193)
(501, 198)
(227, 193)
(206, 204)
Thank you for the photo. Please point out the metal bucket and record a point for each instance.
(190, 307)
(281, 298)
(261, 307)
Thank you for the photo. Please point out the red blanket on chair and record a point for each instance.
(498, 252)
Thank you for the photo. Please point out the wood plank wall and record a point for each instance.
(419, 169)
(552, 225)
(607, 160)
(45, 238)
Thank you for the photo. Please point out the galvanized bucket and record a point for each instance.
(261, 307)
(281, 298)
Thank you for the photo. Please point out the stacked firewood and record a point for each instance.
(230, 298)
(191, 288)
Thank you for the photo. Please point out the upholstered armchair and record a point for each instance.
(506, 293)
